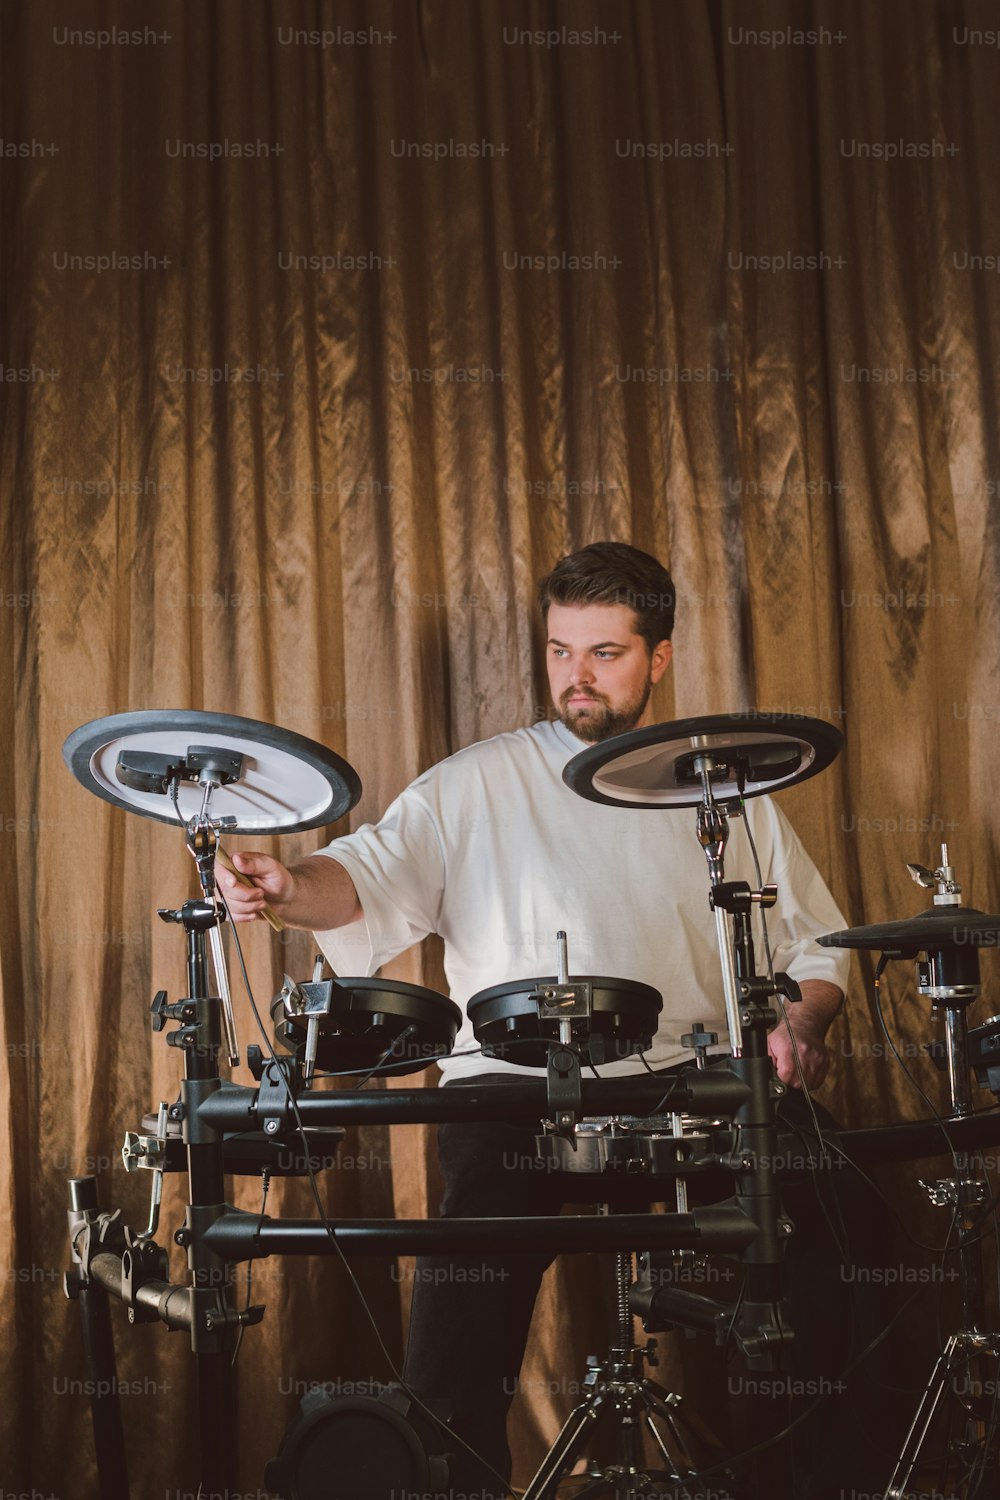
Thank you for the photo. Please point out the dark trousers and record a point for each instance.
(471, 1315)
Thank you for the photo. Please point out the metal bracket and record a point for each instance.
(142, 1261)
(946, 1190)
(564, 1100)
(565, 1002)
(272, 1099)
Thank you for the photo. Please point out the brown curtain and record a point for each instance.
(654, 284)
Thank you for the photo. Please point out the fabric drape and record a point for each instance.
(317, 351)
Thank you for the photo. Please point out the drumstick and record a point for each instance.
(266, 912)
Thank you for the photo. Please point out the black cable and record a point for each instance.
(383, 1067)
(401, 1036)
(803, 1085)
(265, 1174)
(834, 1146)
(779, 1437)
(331, 1233)
(989, 1211)
(443, 1426)
(674, 1082)
(732, 1321)
(841, 1239)
(942, 1250)
(819, 1134)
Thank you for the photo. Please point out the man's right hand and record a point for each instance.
(314, 895)
(272, 885)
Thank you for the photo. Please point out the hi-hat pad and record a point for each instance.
(749, 753)
(265, 779)
(938, 927)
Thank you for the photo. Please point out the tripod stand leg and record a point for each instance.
(669, 1463)
(920, 1426)
(683, 1464)
(566, 1449)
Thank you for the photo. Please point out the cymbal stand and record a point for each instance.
(949, 976)
(110, 1258)
(749, 1016)
(202, 842)
(761, 1327)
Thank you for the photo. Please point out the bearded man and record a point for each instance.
(491, 850)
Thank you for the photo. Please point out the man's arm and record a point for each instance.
(810, 1020)
(316, 894)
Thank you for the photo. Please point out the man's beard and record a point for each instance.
(599, 721)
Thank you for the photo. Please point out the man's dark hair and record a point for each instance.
(614, 573)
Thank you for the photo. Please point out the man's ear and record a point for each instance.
(660, 659)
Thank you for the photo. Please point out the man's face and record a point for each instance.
(600, 671)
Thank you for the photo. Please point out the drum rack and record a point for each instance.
(113, 1262)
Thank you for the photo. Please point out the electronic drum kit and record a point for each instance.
(217, 776)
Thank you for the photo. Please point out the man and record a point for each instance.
(493, 851)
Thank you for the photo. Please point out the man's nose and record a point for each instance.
(581, 672)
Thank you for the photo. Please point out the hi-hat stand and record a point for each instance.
(949, 977)
(949, 935)
(110, 1259)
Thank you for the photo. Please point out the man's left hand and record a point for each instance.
(814, 1055)
(810, 1019)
